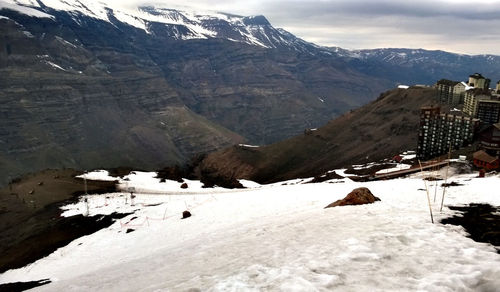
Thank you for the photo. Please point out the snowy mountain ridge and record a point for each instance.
(185, 24)
(404, 56)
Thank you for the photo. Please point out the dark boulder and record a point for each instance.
(358, 196)
(186, 214)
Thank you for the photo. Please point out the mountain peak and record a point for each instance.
(256, 20)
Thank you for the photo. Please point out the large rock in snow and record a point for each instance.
(358, 196)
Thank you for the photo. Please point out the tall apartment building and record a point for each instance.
(479, 103)
(440, 131)
(498, 88)
(472, 98)
(451, 92)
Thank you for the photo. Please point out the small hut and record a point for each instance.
(485, 161)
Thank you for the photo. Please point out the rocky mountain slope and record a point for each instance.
(378, 130)
(86, 84)
(61, 108)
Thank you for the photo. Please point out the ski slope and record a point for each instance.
(275, 238)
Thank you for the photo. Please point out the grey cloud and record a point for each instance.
(369, 24)
(424, 8)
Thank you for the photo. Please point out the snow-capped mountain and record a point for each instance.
(419, 56)
(176, 24)
(187, 24)
(419, 65)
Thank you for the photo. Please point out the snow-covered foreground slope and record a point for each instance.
(275, 237)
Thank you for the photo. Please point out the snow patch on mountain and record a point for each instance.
(144, 15)
(19, 7)
(28, 34)
(65, 42)
(90, 8)
(55, 66)
(132, 20)
(33, 3)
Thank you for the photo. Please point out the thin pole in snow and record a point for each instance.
(165, 213)
(85, 182)
(445, 180)
(87, 211)
(435, 181)
(427, 191)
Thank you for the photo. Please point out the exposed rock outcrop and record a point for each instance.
(359, 196)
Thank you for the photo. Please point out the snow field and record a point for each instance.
(399, 166)
(276, 237)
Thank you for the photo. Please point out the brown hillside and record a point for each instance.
(30, 223)
(377, 130)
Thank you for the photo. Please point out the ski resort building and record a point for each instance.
(454, 92)
(490, 140)
(481, 104)
(451, 92)
(485, 161)
(441, 131)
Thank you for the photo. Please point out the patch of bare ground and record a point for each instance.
(22, 286)
(481, 221)
(30, 223)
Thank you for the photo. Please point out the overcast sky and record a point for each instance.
(451, 25)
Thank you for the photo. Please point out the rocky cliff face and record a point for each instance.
(61, 106)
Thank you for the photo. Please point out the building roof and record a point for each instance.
(483, 156)
(477, 76)
(479, 91)
(426, 107)
(490, 101)
(456, 113)
(448, 82)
